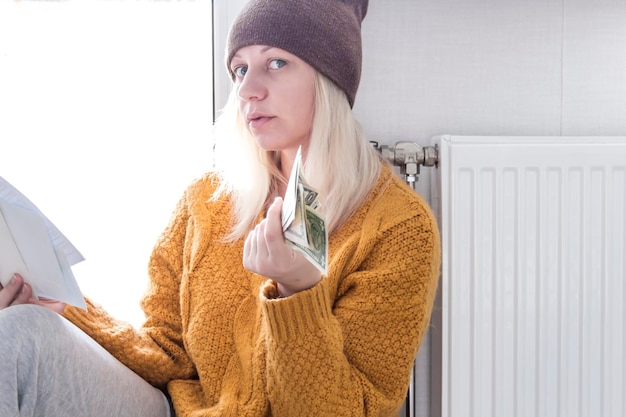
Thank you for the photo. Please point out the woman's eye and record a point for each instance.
(240, 71)
(277, 63)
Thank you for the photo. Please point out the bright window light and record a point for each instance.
(105, 117)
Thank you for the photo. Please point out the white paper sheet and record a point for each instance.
(32, 246)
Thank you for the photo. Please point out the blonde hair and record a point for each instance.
(339, 162)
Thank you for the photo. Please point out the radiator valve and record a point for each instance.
(409, 156)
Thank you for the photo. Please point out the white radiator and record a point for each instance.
(531, 320)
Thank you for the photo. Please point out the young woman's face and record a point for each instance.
(276, 93)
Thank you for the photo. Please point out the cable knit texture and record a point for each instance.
(221, 343)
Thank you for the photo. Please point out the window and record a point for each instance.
(105, 115)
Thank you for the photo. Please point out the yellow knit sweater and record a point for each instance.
(220, 343)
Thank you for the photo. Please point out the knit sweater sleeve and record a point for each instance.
(155, 351)
(348, 350)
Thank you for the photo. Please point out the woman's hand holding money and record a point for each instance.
(266, 253)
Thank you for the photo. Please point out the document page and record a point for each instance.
(32, 246)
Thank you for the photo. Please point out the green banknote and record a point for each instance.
(304, 226)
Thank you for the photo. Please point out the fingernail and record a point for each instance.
(13, 279)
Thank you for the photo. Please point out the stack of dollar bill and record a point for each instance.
(304, 226)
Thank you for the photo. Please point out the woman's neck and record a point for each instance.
(286, 164)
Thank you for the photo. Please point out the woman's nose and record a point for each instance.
(252, 86)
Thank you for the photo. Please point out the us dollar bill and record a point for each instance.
(317, 252)
(304, 227)
(297, 231)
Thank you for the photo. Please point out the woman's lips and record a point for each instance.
(259, 121)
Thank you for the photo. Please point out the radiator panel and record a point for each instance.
(532, 293)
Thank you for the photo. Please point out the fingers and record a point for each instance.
(264, 246)
(19, 292)
(252, 246)
(274, 219)
(16, 292)
(56, 306)
(273, 230)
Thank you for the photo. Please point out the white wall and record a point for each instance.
(536, 67)
(105, 116)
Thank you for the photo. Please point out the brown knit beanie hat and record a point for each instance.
(324, 33)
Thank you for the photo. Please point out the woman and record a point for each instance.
(237, 322)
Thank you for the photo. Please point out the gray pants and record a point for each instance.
(50, 368)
